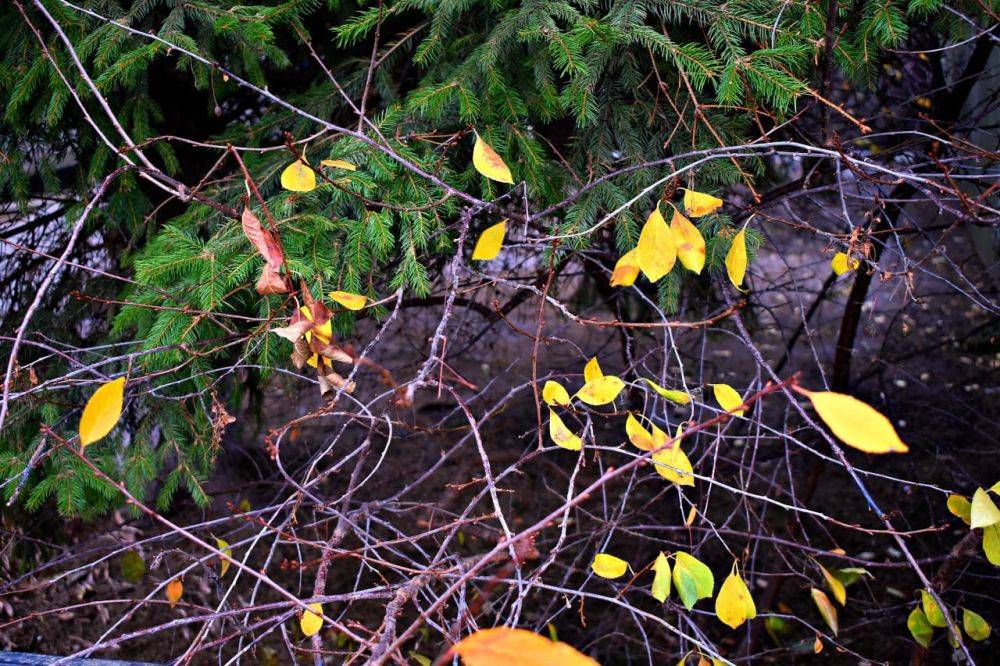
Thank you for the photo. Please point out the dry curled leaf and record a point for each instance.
(262, 239)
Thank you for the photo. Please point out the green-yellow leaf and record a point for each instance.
(339, 164)
(102, 411)
(689, 241)
(489, 163)
(489, 243)
(728, 398)
(991, 544)
(673, 395)
(608, 566)
(672, 463)
(592, 370)
(692, 579)
(919, 627)
(975, 625)
(422, 660)
(826, 609)
(349, 300)
(931, 610)
(856, 424)
(835, 585)
(626, 269)
(734, 605)
(133, 566)
(656, 249)
(298, 177)
(661, 578)
(553, 393)
(841, 263)
(601, 391)
(984, 511)
(561, 435)
(697, 204)
(960, 507)
(311, 620)
(223, 546)
(736, 259)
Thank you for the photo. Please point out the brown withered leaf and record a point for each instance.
(271, 281)
(262, 240)
(294, 330)
(332, 381)
(320, 313)
(335, 353)
(220, 419)
(301, 354)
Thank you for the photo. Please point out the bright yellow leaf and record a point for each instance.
(608, 566)
(673, 465)
(488, 163)
(984, 511)
(223, 546)
(736, 259)
(601, 391)
(728, 398)
(298, 177)
(692, 514)
(626, 269)
(637, 434)
(656, 250)
(323, 332)
(503, 646)
(311, 620)
(960, 507)
(673, 395)
(826, 609)
(661, 578)
(102, 411)
(561, 435)
(553, 393)
(841, 263)
(975, 625)
(689, 241)
(339, 164)
(175, 589)
(489, 243)
(855, 423)
(835, 585)
(592, 370)
(697, 204)
(349, 300)
(932, 611)
(734, 604)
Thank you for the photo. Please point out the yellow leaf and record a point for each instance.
(311, 620)
(991, 544)
(697, 204)
(489, 243)
(298, 177)
(984, 511)
(855, 423)
(637, 434)
(339, 164)
(592, 370)
(223, 546)
(736, 259)
(626, 269)
(692, 579)
(841, 263)
(826, 609)
(503, 646)
(932, 611)
(561, 435)
(656, 250)
(348, 300)
(734, 605)
(673, 465)
(673, 395)
(919, 627)
(961, 507)
(175, 589)
(728, 398)
(488, 163)
(689, 241)
(608, 566)
(102, 411)
(601, 391)
(835, 585)
(323, 332)
(553, 393)
(974, 625)
(661, 578)
(692, 514)
(817, 645)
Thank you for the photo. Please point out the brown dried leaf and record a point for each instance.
(271, 281)
(262, 239)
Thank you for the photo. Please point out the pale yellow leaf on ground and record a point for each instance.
(553, 393)
(960, 507)
(673, 395)
(561, 435)
(339, 164)
(592, 370)
(102, 411)
(656, 250)
(489, 243)
(975, 625)
(311, 620)
(223, 546)
(298, 177)
(175, 589)
(626, 269)
(855, 423)
(728, 398)
(349, 300)
(826, 609)
(689, 241)
(601, 391)
(608, 566)
(503, 646)
(736, 259)
(984, 511)
(841, 263)
(661, 578)
(734, 604)
(488, 163)
(697, 204)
